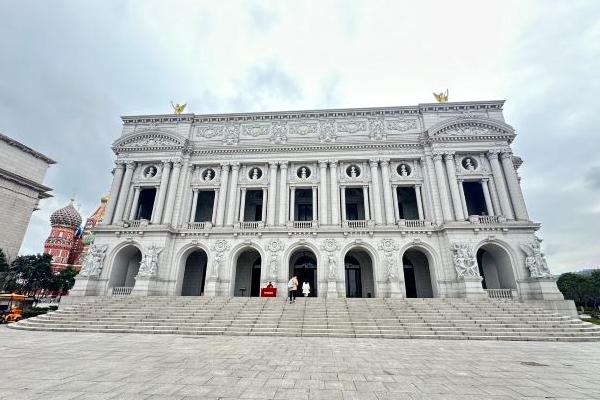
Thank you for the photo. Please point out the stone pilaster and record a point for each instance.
(323, 192)
(456, 198)
(162, 192)
(272, 194)
(387, 192)
(233, 191)
(194, 205)
(136, 199)
(376, 192)
(514, 188)
(500, 185)
(486, 195)
(114, 190)
(442, 186)
(129, 167)
(174, 181)
(283, 166)
(222, 194)
(433, 193)
(334, 192)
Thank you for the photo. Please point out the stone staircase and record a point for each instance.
(357, 318)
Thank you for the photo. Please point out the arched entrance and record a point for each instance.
(303, 264)
(495, 267)
(125, 267)
(247, 274)
(194, 274)
(358, 273)
(417, 275)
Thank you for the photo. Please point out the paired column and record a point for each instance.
(123, 193)
(396, 206)
(314, 203)
(366, 202)
(172, 192)
(292, 203)
(282, 192)
(213, 218)
(114, 193)
(272, 194)
(456, 196)
(136, 198)
(442, 186)
(162, 192)
(419, 201)
(343, 192)
(387, 192)
(323, 192)
(243, 205)
(463, 201)
(513, 186)
(487, 197)
(231, 207)
(500, 185)
(222, 197)
(335, 200)
(376, 192)
(434, 193)
(194, 205)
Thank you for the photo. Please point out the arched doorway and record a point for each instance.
(417, 275)
(358, 273)
(125, 267)
(247, 274)
(495, 267)
(194, 274)
(303, 264)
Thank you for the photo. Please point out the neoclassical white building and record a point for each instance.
(415, 201)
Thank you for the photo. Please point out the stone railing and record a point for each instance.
(135, 223)
(486, 219)
(250, 225)
(500, 293)
(358, 223)
(122, 290)
(199, 225)
(412, 223)
(305, 224)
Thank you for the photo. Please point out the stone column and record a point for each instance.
(396, 206)
(366, 202)
(314, 203)
(434, 193)
(513, 187)
(243, 204)
(263, 217)
(181, 199)
(495, 199)
(213, 218)
(376, 192)
(419, 201)
(487, 197)
(343, 193)
(136, 198)
(451, 171)
(292, 203)
(442, 186)
(222, 194)
(114, 193)
(463, 202)
(194, 205)
(282, 192)
(235, 170)
(162, 192)
(272, 195)
(323, 193)
(500, 185)
(172, 192)
(130, 166)
(387, 192)
(334, 191)
(154, 206)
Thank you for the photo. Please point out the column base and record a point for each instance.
(394, 290)
(471, 288)
(210, 287)
(144, 287)
(332, 292)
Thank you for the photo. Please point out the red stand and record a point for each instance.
(268, 292)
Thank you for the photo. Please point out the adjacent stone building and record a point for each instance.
(22, 171)
(415, 201)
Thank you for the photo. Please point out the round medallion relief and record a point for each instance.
(403, 169)
(255, 173)
(208, 174)
(469, 163)
(150, 171)
(303, 172)
(353, 171)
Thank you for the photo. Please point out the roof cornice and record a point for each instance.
(26, 149)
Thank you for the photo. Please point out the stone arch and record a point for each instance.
(124, 264)
(235, 253)
(182, 258)
(370, 272)
(423, 259)
(495, 128)
(292, 254)
(496, 262)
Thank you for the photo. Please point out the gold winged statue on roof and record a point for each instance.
(441, 97)
(178, 108)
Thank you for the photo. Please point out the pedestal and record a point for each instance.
(545, 289)
(332, 292)
(85, 286)
(144, 287)
(394, 289)
(471, 288)
(210, 287)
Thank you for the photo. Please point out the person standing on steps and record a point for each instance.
(292, 288)
(305, 288)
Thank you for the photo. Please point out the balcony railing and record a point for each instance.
(486, 219)
(500, 293)
(358, 223)
(251, 225)
(135, 223)
(122, 290)
(412, 223)
(199, 225)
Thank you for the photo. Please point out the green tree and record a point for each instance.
(31, 274)
(63, 281)
(3, 262)
(595, 283)
(575, 287)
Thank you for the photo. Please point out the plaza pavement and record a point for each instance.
(44, 365)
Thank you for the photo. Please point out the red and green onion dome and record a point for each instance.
(67, 216)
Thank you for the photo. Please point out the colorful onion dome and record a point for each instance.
(66, 216)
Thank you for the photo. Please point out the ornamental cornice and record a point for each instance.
(149, 141)
(460, 128)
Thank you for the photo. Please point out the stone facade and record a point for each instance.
(22, 171)
(416, 201)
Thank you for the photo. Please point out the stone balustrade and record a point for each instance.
(122, 290)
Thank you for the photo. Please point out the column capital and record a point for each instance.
(225, 164)
(437, 155)
(273, 164)
(333, 163)
(384, 162)
(130, 164)
(165, 161)
(373, 163)
(506, 154)
(235, 166)
(322, 163)
(195, 190)
(119, 164)
(243, 188)
(177, 164)
(493, 153)
(449, 155)
(283, 164)
(485, 179)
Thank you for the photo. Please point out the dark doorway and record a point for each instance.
(417, 275)
(253, 205)
(204, 207)
(247, 274)
(353, 277)
(255, 280)
(145, 203)
(195, 274)
(355, 204)
(305, 268)
(407, 203)
(474, 198)
(409, 278)
(303, 205)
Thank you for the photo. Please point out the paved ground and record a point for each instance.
(111, 366)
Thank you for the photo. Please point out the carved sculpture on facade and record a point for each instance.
(465, 262)
(377, 129)
(389, 248)
(93, 261)
(331, 246)
(274, 246)
(149, 263)
(327, 133)
(279, 132)
(219, 248)
(535, 261)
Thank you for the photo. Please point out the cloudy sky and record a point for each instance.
(69, 71)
